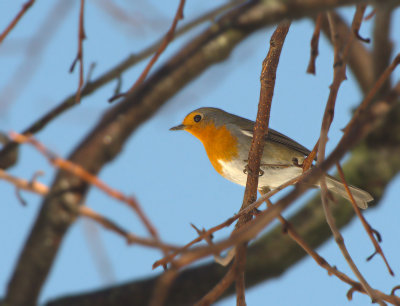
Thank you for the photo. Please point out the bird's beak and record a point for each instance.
(178, 127)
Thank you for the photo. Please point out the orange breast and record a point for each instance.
(219, 143)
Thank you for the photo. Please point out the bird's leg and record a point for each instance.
(247, 170)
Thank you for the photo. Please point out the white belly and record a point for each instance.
(272, 177)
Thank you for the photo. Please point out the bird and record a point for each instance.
(227, 139)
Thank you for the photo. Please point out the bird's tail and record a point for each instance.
(361, 197)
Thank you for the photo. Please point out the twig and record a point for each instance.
(121, 15)
(86, 176)
(167, 39)
(357, 20)
(314, 44)
(289, 229)
(394, 290)
(207, 238)
(307, 163)
(365, 104)
(359, 59)
(33, 53)
(364, 222)
(229, 221)
(339, 76)
(41, 189)
(13, 23)
(370, 15)
(79, 55)
(130, 238)
(32, 186)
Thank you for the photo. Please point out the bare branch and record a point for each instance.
(79, 55)
(339, 75)
(167, 39)
(89, 178)
(314, 45)
(14, 22)
(267, 79)
(364, 222)
(357, 20)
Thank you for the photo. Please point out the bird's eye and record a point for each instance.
(197, 118)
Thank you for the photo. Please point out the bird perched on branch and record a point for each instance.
(227, 139)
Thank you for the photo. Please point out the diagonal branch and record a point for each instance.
(14, 22)
(167, 39)
(370, 231)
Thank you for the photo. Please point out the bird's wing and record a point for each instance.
(277, 137)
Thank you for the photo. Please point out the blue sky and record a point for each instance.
(181, 186)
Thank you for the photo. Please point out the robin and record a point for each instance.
(227, 139)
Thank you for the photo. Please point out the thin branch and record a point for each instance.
(32, 186)
(366, 103)
(14, 22)
(88, 177)
(229, 221)
(208, 238)
(41, 189)
(290, 230)
(339, 75)
(167, 39)
(370, 15)
(314, 44)
(357, 20)
(359, 59)
(130, 238)
(364, 222)
(355, 286)
(33, 53)
(79, 55)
